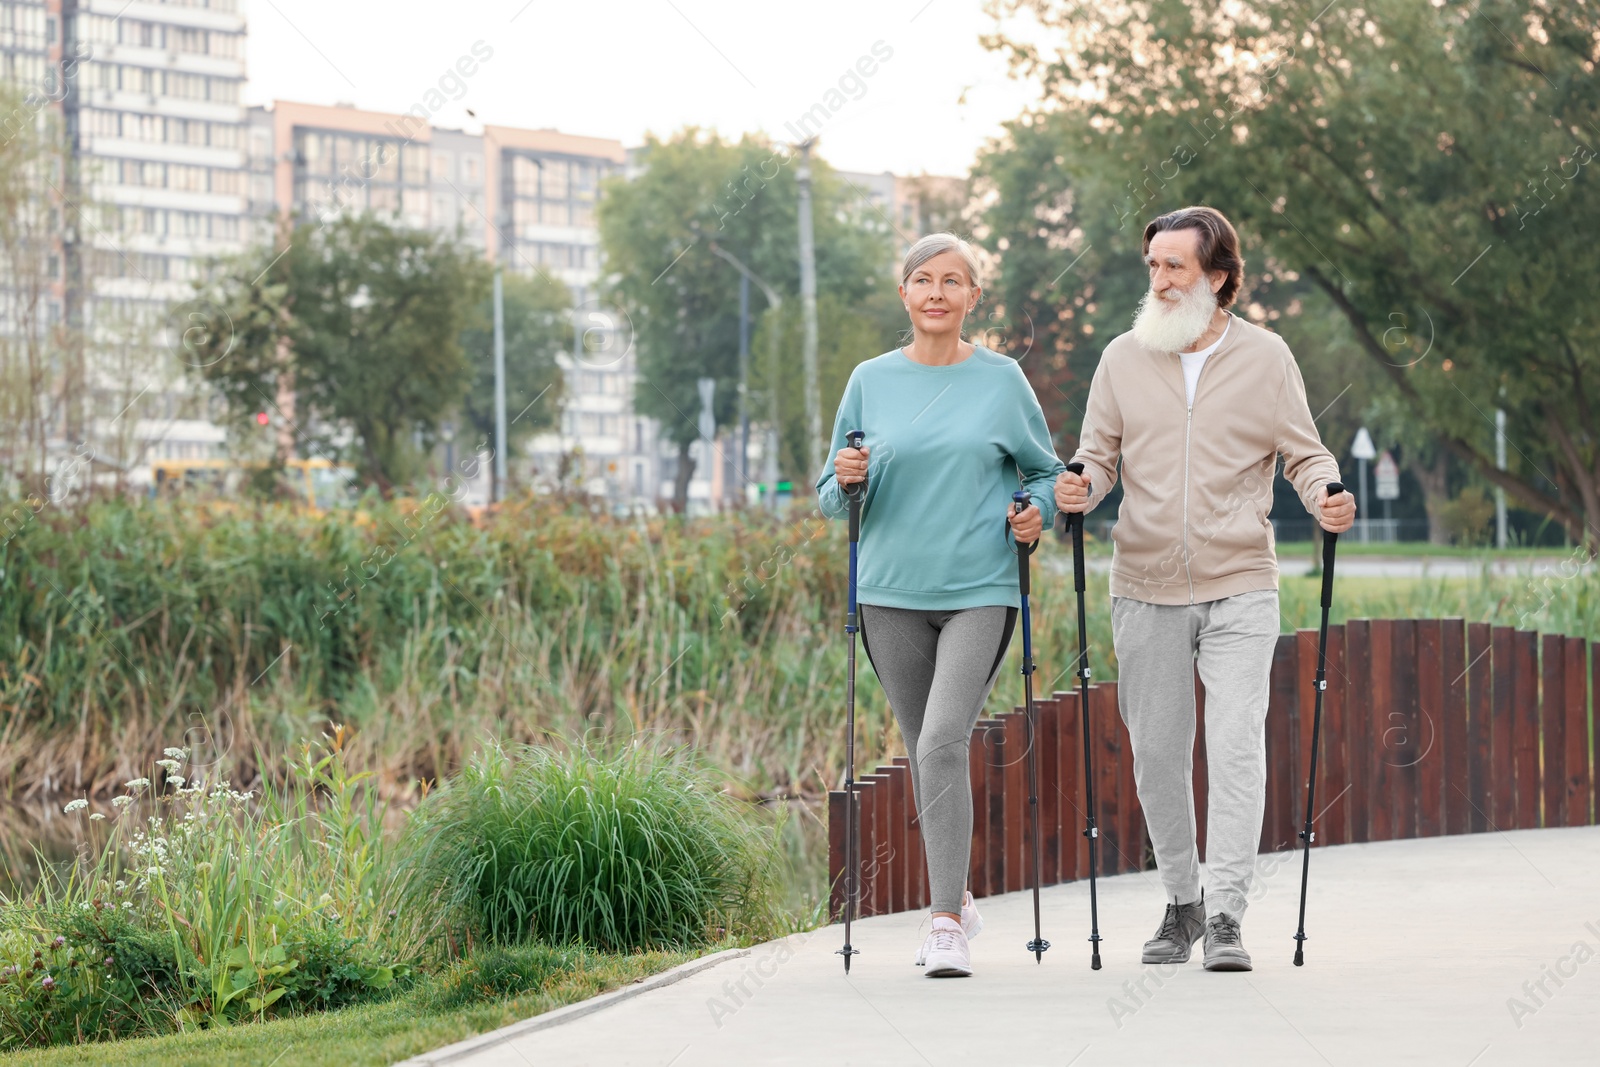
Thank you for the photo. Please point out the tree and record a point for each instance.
(537, 328)
(1421, 165)
(368, 319)
(656, 231)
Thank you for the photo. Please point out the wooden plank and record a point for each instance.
(1358, 726)
(1407, 746)
(863, 791)
(908, 836)
(1103, 719)
(1579, 782)
(1202, 779)
(883, 843)
(1453, 727)
(1278, 823)
(1333, 791)
(1430, 743)
(1525, 729)
(978, 864)
(1048, 744)
(1502, 715)
(995, 794)
(836, 848)
(1380, 781)
(895, 860)
(1132, 827)
(1074, 861)
(1478, 795)
(1553, 728)
(1015, 784)
(1305, 677)
(870, 844)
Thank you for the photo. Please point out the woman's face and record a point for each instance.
(939, 294)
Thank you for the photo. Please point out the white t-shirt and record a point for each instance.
(1193, 361)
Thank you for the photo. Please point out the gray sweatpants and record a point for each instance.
(1157, 649)
(937, 668)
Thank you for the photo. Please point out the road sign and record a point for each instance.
(1361, 447)
(1387, 475)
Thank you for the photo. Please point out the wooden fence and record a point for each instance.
(1430, 726)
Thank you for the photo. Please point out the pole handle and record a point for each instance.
(1020, 502)
(855, 492)
(1073, 528)
(1329, 542)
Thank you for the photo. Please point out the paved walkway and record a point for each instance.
(1419, 952)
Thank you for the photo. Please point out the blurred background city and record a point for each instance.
(386, 387)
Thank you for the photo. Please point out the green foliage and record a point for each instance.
(1423, 166)
(537, 327)
(657, 230)
(501, 971)
(624, 852)
(1466, 518)
(845, 337)
(421, 631)
(372, 317)
(209, 910)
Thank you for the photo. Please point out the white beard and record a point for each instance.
(1171, 324)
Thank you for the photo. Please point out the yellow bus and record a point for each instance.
(318, 483)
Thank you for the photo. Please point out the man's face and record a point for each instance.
(1174, 263)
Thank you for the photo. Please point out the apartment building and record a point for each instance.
(525, 197)
(148, 98)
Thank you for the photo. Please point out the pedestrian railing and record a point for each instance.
(1430, 727)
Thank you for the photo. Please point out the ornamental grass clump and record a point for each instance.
(620, 852)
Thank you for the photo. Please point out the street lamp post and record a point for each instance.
(774, 302)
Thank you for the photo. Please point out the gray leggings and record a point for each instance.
(937, 668)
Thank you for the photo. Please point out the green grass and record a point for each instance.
(371, 1034)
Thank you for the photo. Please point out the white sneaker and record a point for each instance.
(945, 951)
(971, 925)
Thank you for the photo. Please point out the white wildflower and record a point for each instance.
(168, 765)
(176, 781)
(75, 805)
(137, 783)
(96, 815)
(175, 753)
(121, 802)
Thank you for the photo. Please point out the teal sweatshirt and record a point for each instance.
(946, 445)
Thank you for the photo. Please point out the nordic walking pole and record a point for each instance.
(1074, 525)
(1329, 542)
(1021, 500)
(855, 494)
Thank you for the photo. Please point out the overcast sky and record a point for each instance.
(625, 68)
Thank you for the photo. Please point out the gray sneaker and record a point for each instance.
(1224, 949)
(1181, 927)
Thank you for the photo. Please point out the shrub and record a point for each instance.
(624, 852)
(199, 905)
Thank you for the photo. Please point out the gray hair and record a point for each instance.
(936, 244)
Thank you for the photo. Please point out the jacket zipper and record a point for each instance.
(1188, 421)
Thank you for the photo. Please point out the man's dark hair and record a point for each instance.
(1218, 246)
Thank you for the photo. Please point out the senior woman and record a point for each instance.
(951, 429)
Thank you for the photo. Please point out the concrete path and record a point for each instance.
(1436, 951)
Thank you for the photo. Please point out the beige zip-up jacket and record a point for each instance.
(1197, 480)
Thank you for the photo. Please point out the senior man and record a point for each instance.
(1198, 404)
